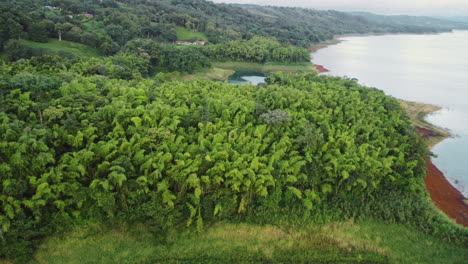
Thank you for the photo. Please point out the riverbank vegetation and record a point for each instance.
(444, 195)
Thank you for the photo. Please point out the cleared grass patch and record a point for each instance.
(403, 244)
(54, 45)
(216, 74)
(345, 242)
(94, 27)
(221, 71)
(98, 244)
(190, 35)
(268, 67)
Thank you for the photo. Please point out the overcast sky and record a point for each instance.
(409, 7)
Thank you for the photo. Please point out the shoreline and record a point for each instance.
(443, 194)
(324, 44)
(446, 197)
(321, 45)
(417, 113)
(390, 33)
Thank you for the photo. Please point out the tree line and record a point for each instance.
(257, 49)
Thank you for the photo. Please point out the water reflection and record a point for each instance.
(247, 77)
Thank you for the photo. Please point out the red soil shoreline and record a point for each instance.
(425, 133)
(321, 69)
(446, 197)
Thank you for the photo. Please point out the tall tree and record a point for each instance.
(60, 28)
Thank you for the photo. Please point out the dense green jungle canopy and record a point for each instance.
(115, 137)
(87, 146)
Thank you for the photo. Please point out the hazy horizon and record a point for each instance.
(385, 7)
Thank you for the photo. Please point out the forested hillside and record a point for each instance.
(108, 25)
(308, 25)
(438, 23)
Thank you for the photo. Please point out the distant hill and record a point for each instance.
(437, 23)
(455, 18)
(318, 25)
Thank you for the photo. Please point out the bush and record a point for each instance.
(276, 117)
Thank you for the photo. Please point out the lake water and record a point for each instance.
(423, 68)
(247, 76)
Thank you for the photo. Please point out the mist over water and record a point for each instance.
(423, 68)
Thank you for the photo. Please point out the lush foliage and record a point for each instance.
(84, 137)
(114, 23)
(169, 58)
(79, 144)
(257, 49)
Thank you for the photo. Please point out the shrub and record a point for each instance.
(276, 117)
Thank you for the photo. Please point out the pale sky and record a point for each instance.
(390, 7)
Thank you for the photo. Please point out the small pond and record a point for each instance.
(246, 77)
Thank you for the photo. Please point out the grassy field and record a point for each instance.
(222, 70)
(267, 67)
(54, 45)
(190, 35)
(215, 74)
(346, 242)
(94, 27)
(403, 244)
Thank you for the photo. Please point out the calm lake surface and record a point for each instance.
(247, 76)
(423, 68)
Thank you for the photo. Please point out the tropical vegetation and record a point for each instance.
(108, 25)
(101, 140)
(78, 145)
